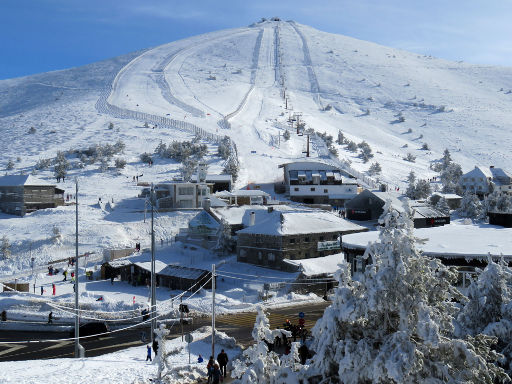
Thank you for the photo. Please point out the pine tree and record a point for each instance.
(341, 138)
(411, 178)
(447, 159)
(61, 166)
(232, 168)
(225, 242)
(5, 247)
(375, 169)
(471, 207)
(442, 206)
(392, 324)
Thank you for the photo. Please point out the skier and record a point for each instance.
(149, 353)
(222, 358)
(53, 289)
(65, 273)
(50, 318)
(42, 290)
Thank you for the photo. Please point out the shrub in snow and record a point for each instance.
(10, 164)
(111, 125)
(471, 207)
(224, 150)
(425, 147)
(286, 135)
(328, 107)
(146, 158)
(146, 125)
(43, 164)
(120, 163)
(32, 130)
(392, 324)
(5, 247)
(410, 157)
(56, 235)
(351, 146)
(497, 202)
(409, 130)
(366, 152)
(375, 169)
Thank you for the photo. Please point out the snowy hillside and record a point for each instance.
(233, 82)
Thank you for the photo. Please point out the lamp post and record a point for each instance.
(153, 278)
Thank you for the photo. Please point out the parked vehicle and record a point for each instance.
(91, 329)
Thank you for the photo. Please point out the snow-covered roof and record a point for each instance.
(278, 223)
(448, 196)
(242, 193)
(19, 180)
(146, 265)
(421, 211)
(308, 163)
(203, 219)
(119, 263)
(213, 178)
(478, 172)
(318, 265)
(395, 201)
(452, 240)
(183, 272)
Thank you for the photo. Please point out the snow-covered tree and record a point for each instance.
(5, 247)
(341, 138)
(258, 365)
(61, 166)
(351, 146)
(232, 168)
(410, 157)
(446, 160)
(120, 163)
(10, 165)
(375, 169)
(224, 149)
(489, 309)
(366, 151)
(225, 242)
(286, 135)
(394, 324)
(442, 206)
(471, 207)
(422, 190)
(450, 176)
(411, 178)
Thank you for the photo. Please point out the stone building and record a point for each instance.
(294, 235)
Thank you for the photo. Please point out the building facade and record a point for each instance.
(181, 194)
(313, 182)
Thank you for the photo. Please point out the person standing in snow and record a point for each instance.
(216, 374)
(53, 289)
(222, 358)
(148, 357)
(200, 359)
(42, 290)
(209, 367)
(50, 318)
(65, 273)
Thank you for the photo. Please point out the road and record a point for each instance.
(237, 325)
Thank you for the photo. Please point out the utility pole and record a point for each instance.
(153, 278)
(213, 310)
(181, 317)
(77, 325)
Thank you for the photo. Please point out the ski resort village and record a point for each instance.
(264, 204)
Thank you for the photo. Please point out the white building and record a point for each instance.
(314, 182)
(479, 181)
(244, 197)
(476, 181)
(179, 194)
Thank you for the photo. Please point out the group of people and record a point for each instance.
(216, 370)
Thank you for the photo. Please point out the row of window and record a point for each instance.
(313, 189)
(307, 239)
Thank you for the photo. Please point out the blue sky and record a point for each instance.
(44, 35)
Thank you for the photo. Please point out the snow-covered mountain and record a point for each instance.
(234, 82)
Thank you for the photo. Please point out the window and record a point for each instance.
(186, 204)
(480, 187)
(296, 189)
(312, 189)
(472, 179)
(307, 255)
(292, 241)
(465, 179)
(271, 257)
(321, 238)
(306, 240)
(185, 190)
(260, 256)
(243, 253)
(326, 191)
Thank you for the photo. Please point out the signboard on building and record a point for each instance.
(328, 245)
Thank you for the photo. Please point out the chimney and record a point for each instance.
(492, 166)
(252, 219)
(207, 204)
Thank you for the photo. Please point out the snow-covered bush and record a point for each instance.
(111, 125)
(61, 166)
(224, 149)
(341, 138)
(32, 130)
(120, 163)
(351, 146)
(410, 157)
(286, 135)
(232, 168)
(366, 151)
(10, 165)
(393, 324)
(146, 158)
(43, 164)
(498, 202)
(425, 147)
(442, 206)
